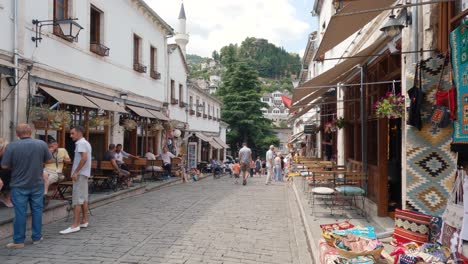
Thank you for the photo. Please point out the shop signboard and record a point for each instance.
(309, 129)
(192, 155)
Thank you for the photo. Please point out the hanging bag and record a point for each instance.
(448, 98)
(416, 97)
(441, 114)
(453, 214)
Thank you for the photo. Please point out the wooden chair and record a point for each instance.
(176, 164)
(105, 177)
(64, 187)
(155, 174)
(138, 166)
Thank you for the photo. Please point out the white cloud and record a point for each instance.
(213, 24)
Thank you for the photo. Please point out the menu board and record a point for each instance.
(192, 155)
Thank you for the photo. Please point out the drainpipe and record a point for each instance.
(16, 72)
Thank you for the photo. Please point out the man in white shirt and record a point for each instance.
(270, 156)
(245, 158)
(166, 157)
(81, 171)
(120, 154)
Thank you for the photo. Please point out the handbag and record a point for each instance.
(454, 212)
(441, 115)
(416, 97)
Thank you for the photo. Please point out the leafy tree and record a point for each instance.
(215, 55)
(240, 93)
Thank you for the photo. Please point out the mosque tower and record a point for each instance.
(181, 37)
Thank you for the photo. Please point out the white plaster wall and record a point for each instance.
(178, 73)
(121, 20)
(6, 25)
(200, 123)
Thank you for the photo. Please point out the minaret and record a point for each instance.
(181, 37)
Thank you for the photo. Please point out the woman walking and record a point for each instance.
(278, 170)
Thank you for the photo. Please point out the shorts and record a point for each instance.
(54, 176)
(80, 191)
(245, 167)
(236, 175)
(5, 175)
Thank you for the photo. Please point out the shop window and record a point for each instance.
(153, 63)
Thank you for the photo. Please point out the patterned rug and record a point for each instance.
(430, 165)
(459, 45)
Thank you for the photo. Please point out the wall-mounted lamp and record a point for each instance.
(395, 24)
(123, 96)
(69, 28)
(11, 81)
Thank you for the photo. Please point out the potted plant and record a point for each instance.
(156, 126)
(98, 121)
(390, 106)
(339, 123)
(129, 124)
(60, 118)
(40, 116)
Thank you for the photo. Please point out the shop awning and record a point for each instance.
(311, 90)
(202, 137)
(140, 111)
(106, 105)
(303, 111)
(215, 144)
(158, 115)
(68, 98)
(342, 26)
(220, 142)
(295, 137)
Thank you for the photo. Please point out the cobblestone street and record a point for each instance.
(211, 221)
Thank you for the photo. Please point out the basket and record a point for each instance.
(329, 238)
(351, 254)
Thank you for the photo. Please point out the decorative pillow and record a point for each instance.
(435, 229)
(336, 226)
(350, 190)
(411, 227)
(323, 190)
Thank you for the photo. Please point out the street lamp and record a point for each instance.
(395, 24)
(69, 28)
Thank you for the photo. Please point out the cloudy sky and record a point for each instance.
(215, 23)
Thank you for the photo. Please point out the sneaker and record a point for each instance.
(37, 241)
(70, 230)
(85, 225)
(15, 246)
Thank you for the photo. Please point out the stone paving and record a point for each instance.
(211, 221)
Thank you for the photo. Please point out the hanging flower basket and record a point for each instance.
(98, 121)
(129, 124)
(390, 106)
(339, 123)
(156, 127)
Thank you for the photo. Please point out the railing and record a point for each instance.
(139, 67)
(99, 49)
(198, 114)
(182, 104)
(174, 101)
(155, 75)
(192, 112)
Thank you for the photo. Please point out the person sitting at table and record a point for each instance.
(166, 157)
(120, 154)
(150, 156)
(124, 175)
(53, 171)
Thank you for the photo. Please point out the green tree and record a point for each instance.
(241, 109)
(215, 55)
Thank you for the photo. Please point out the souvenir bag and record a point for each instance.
(453, 216)
(448, 98)
(441, 112)
(416, 97)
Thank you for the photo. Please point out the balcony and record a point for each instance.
(139, 67)
(198, 114)
(182, 104)
(99, 49)
(174, 101)
(155, 75)
(205, 115)
(209, 117)
(192, 112)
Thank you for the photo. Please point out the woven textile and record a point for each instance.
(430, 165)
(459, 45)
(411, 227)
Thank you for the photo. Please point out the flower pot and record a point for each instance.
(40, 124)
